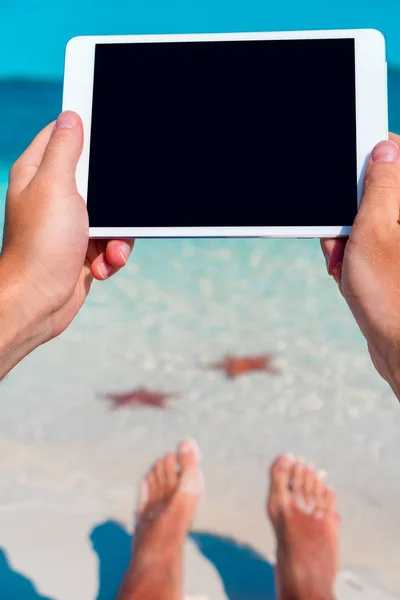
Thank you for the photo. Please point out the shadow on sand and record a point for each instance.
(14, 585)
(112, 544)
(245, 574)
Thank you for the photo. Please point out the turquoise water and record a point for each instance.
(28, 105)
(33, 34)
(33, 38)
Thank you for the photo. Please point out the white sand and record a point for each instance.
(46, 534)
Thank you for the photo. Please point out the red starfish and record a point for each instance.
(234, 366)
(139, 397)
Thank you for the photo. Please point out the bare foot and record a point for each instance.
(168, 501)
(303, 513)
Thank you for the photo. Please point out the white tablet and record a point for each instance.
(241, 134)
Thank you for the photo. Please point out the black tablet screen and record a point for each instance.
(223, 133)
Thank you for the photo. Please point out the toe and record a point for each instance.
(297, 478)
(327, 508)
(310, 481)
(330, 501)
(188, 455)
(297, 484)
(143, 497)
(171, 475)
(279, 483)
(159, 472)
(188, 458)
(319, 495)
(153, 489)
(147, 497)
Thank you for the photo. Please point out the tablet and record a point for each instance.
(240, 134)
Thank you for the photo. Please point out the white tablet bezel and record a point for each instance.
(371, 112)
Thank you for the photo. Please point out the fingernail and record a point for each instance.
(67, 120)
(290, 456)
(124, 251)
(386, 151)
(327, 260)
(104, 270)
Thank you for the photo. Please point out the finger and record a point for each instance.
(100, 255)
(95, 248)
(102, 269)
(376, 179)
(333, 250)
(62, 153)
(380, 203)
(118, 252)
(25, 168)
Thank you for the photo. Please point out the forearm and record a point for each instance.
(393, 379)
(385, 355)
(18, 332)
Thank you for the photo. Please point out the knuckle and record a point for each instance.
(374, 228)
(371, 233)
(61, 137)
(378, 232)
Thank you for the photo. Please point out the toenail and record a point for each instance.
(190, 446)
(282, 461)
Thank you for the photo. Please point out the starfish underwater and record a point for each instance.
(234, 366)
(139, 397)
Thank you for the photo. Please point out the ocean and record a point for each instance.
(69, 463)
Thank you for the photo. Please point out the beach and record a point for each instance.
(70, 463)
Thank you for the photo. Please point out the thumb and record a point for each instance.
(380, 202)
(62, 153)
